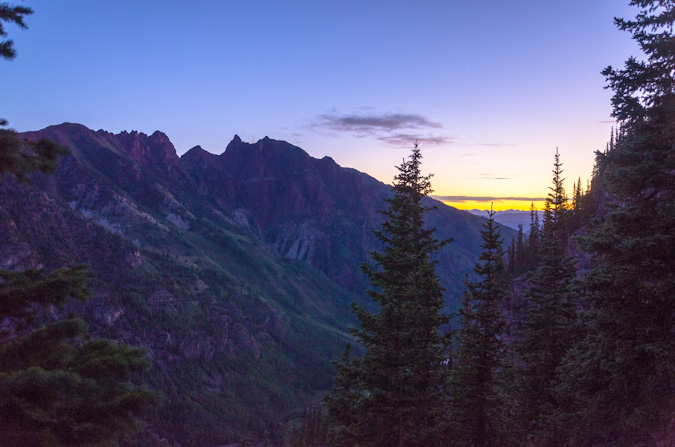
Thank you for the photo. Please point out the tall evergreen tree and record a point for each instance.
(511, 257)
(533, 239)
(476, 406)
(521, 251)
(620, 380)
(343, 402)
(548, 327)
(400, 399)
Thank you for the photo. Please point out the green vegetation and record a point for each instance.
(242, 341)
(60, 386)
(548, 327)
(393, 395)
(590, 361)
(476, 406)
(619, 380)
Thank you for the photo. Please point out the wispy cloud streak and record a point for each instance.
(374, 123)
(490, 176)
(393, 129)
(406, 139)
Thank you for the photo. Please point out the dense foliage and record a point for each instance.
(477, 407)
(620, 379)
(591, 364)
(394, 393)
(59, 385)
(548, 327)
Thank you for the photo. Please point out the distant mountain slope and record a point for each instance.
(511, 218)
(235, 271)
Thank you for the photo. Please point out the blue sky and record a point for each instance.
(489, 88)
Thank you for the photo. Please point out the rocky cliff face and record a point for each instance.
(234, 271)
(300, 207)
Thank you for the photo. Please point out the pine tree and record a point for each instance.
(521, 251)
(533, 239)
(548, 327)
(58, 385)
(343, 404)
(620, 380)
(511, 257)
(15, 15)
(399, 400)
(476, 406)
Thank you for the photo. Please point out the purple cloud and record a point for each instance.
(375, 123)
(393, 129)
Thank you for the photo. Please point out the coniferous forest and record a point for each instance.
(564, 335)
(566, 338)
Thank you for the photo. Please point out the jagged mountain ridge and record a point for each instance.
(301, 207)
(234, 271)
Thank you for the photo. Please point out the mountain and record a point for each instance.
(234, 271)
(511, 218)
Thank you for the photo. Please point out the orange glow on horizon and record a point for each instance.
(497, 205)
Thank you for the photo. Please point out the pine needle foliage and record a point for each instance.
(11, 14)
(548, 329)
(476, 401)
(398, 398)
(58, 385)
(620, 380)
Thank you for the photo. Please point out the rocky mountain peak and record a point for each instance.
(153, 149)
(266, 158)
(198, 156)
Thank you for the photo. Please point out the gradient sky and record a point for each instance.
(489, 88)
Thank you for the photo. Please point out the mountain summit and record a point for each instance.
(234, 271)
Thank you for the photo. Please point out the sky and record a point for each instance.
(488, 88)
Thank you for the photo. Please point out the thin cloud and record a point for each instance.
(392, 129)
(490, 176)
(486, 199)
(406, 140)
(372, 123)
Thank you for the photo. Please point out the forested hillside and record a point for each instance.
(265, 297)
(566, 338)
(234, 272)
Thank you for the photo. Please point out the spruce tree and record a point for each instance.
(547, 331)
(476, 404)
(399, 397)
(533, 239)
(619, 382)
(511, 258)
(343, 403)
(521, 252)
(58, 385)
